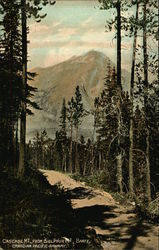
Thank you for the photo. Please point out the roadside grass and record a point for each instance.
(149, 212)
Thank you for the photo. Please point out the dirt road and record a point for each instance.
(117, 226)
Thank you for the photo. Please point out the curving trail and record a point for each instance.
(117, 226)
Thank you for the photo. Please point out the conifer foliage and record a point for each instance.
(124, 145)
(16, 93)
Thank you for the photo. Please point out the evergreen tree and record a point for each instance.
(119, 22)
(118, 5)
(131, 158)
(113, 125)
(82, 156)
(78, 113)
(88, 170)
(148, 26)
(39, 149)
(139, 152)
(22, 162)
(10, 80)
(31, 8)
(145, 56)
(17, 96)
(63, 136)
(70, 110)
(153, 113)
(63, 117)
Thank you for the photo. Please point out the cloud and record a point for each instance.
(54, 56)
(87, 22)
(42, 35)
(64, 51)
(38, 28)
(66, 33)
(71, 44)
(41, 29)
(71, 29)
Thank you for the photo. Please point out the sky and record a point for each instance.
(72, 28)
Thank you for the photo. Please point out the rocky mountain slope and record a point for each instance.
(59, 81)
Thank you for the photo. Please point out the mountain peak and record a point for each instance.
(94, 53)
(90, 56)
(59, 81)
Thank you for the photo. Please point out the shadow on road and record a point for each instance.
(139, 229)
(99, 216)
(79, 193)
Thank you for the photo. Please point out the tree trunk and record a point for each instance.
(131, 175)
(145, 56)
(119, 172)
(92, 160)
(70, 152)
(43, 161)
(11, 123)
(23, 102)
(158, 41)
(84, 168)
(100, 160)
(37, 158)
(84, 161)
(16, 145)
(65, 163)
(119, 156)
(148, 174)
(76, 151)
(119, 43)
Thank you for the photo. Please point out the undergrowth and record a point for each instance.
(32, 208)
(149, 212)
(144, 210)
(97, 180)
